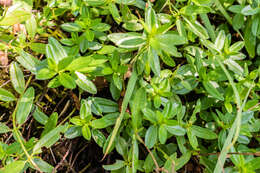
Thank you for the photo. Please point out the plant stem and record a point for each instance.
(235, 129)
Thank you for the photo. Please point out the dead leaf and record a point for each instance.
(100, 83)
(19, 28)
(3, 58)
(6, 3)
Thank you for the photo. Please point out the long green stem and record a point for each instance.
(235, 129)
(129, 91)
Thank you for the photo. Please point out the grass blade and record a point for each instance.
(129, 91)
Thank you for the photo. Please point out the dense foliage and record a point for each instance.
(163, 84)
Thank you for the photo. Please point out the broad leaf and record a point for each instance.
(84, 83)
(6, 96)
(203, 132)
(24, 106)
(17, 78)
(151, 136)
(55, 51)
(15, 14)
(211, 88)
(127, 40)
(15, 166)
(49, 139)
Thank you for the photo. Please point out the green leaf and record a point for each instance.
(71, 27)
(15, 166)
(17, 77)
(48, 140)
(203, 132)
(130, 88)
(45, 73)
(101, 27)
(132, 26)
(118, 81)
(28, 61)
(117, 165)
(86, 132)
(15, 14)
(235, 67)
(162, 134)
(85, 110)
(114, 12)
(67, 81)
(31, 26)
(73, 132)
(87, 63)
(84, 83)
(197, 29)
(236, 47)
(154, 61)
(105, 121)
(100, 105)
(151, 136)
(253, 163)
(95, 2)
(250, 40)
(151, 20)
(192, 139)
(149, 115)
(220, 40)
(24, 106)
(201, 2)
(210, 28)
(183, 160)
(238, 21)
(138, 102)
(4, 128)
(135, 155)
(167, 59)
(248, 10)
(176, 130)
(98, 137)
(39, 116)
(6, 96)
(211, 88)
(38, 47)
(127, 40)
(44, 166)
(167, 43)
(55, 51)
(181, 28)
(50, 124)
(194, 10)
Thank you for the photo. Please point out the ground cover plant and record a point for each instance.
(128, 86)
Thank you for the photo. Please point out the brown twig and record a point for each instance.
(153, 158)
(62, 160)
(75, 158)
